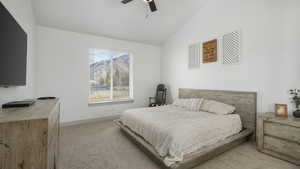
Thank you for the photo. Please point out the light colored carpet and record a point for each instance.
(101, 145)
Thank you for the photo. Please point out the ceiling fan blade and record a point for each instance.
(126, 1)
(152, 6)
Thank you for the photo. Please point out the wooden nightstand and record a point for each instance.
(279, 137)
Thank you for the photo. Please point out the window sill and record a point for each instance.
(111, 102)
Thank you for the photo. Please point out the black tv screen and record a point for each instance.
(13, 50)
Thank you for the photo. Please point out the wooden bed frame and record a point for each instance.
(246, 107)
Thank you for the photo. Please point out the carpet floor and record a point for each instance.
(101, 145)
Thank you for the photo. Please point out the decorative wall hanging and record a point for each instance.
(232, 48)
(194, 55)
(210, 51)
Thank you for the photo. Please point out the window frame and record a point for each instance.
(111, 100)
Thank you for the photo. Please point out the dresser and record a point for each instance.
(29, 137)
(279, 137)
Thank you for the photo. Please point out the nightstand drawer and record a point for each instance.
(282, 131)
(282, 147)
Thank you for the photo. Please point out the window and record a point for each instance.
(110, 76)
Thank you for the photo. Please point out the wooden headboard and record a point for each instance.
(245, 102)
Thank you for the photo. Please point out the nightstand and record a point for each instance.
(279, 137)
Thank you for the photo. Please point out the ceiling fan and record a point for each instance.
(151, 3)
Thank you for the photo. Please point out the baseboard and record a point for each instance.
(99, 119)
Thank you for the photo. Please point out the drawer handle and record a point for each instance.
(5, 145)
(21, 165)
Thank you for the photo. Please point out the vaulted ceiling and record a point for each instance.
(111, 18)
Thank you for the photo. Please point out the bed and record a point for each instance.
(154, 128)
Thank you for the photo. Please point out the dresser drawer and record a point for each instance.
(282, 147)
(282, 131)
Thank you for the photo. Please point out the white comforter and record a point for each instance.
(175, 132)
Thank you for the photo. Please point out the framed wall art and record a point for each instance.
(210, 51)
(281, 110)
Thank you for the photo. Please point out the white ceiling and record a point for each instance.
(113, 19)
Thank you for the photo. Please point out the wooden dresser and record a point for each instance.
(279, 137)
(29, 137)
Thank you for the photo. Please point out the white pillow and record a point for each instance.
(192, 104)
(180, 102)
(217, 107)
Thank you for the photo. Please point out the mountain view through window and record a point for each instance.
(109, 75)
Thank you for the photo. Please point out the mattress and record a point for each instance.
(175, 132)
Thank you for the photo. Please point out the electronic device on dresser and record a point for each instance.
(15, 104)
(46, 98)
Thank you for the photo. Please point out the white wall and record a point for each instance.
(63, 71)
(291, 56)
(23, 13)
(271, 51)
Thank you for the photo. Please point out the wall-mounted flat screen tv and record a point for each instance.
(13, 50)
